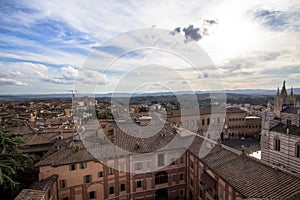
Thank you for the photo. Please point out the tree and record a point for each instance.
(12, 161)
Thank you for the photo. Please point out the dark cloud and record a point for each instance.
(279, 20)
(192, 33)
(176, 30)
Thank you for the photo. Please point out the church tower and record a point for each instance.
(283, 100)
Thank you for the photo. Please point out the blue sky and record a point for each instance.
(45, 44)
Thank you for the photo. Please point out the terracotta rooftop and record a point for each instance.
(249, 176)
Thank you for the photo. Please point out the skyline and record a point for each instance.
(254, 45)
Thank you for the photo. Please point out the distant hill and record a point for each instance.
(32, 97)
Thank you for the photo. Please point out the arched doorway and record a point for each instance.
(161, 194)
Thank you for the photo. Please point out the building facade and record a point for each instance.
(280, 137)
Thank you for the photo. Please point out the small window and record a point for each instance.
(138, 184)
(138, 166)
(65, 198)
(208, 121)
(83, 165)
(100, 174)
(110, 171)
(181, 176)
(161, 160)
(63, 183)
(122, 187)
(111, 190)
(87, 179)
(277, 144)
(72, 167)
(298, 150)
(181, 160)
(92, 195)
(203, 122)
(174, 177)
(181, 193)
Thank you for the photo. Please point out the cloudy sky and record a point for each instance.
(46, 46)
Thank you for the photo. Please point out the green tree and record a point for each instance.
(12, 161)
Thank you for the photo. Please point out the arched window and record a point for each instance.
(161, 177)
(277, 144)
(192, 123)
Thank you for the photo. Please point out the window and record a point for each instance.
(122, 167)
(181, 160)
(87, 179)
(213, 120)
(218, 120)
(186, 124)
(208, 121)
(192, 123)
(148, 163)
(161, 160)
(92, 195)
(203, 122)
(298, 150)
(100, 174)
(111, 190)
(221, 193)
(181, 176)
(181, 193)
(83, 165)
(65, 198)
(138, 166)
(277, 144)
(110, 171)
(72, 167)
(174, 177)
(161, 177)
(122, 187)
(63, 183)
(138, 184)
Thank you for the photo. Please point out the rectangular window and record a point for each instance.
(208, 121)
(174, 177)
(92, 195)
(181, 176)
(221, 193)
(100, 174)
(181, 193)
(63, 183)
(203, 122)
(148, 162)
(298, 150)
(191, 164)
(218, 120)
(277, 144)
(110, 171)
(181, 160)
(111, 190)
(122, 187)
(122, 167)
(72, 167)
(138, 184)
(139, 166)
(65, 198)
(83, 165)
(161, 160)
(87, 179)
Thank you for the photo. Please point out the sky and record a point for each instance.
(54, 46)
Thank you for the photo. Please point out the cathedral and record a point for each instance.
(283, 100)
(280, 134)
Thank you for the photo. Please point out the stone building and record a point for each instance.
(153, 170)
(280, 137)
